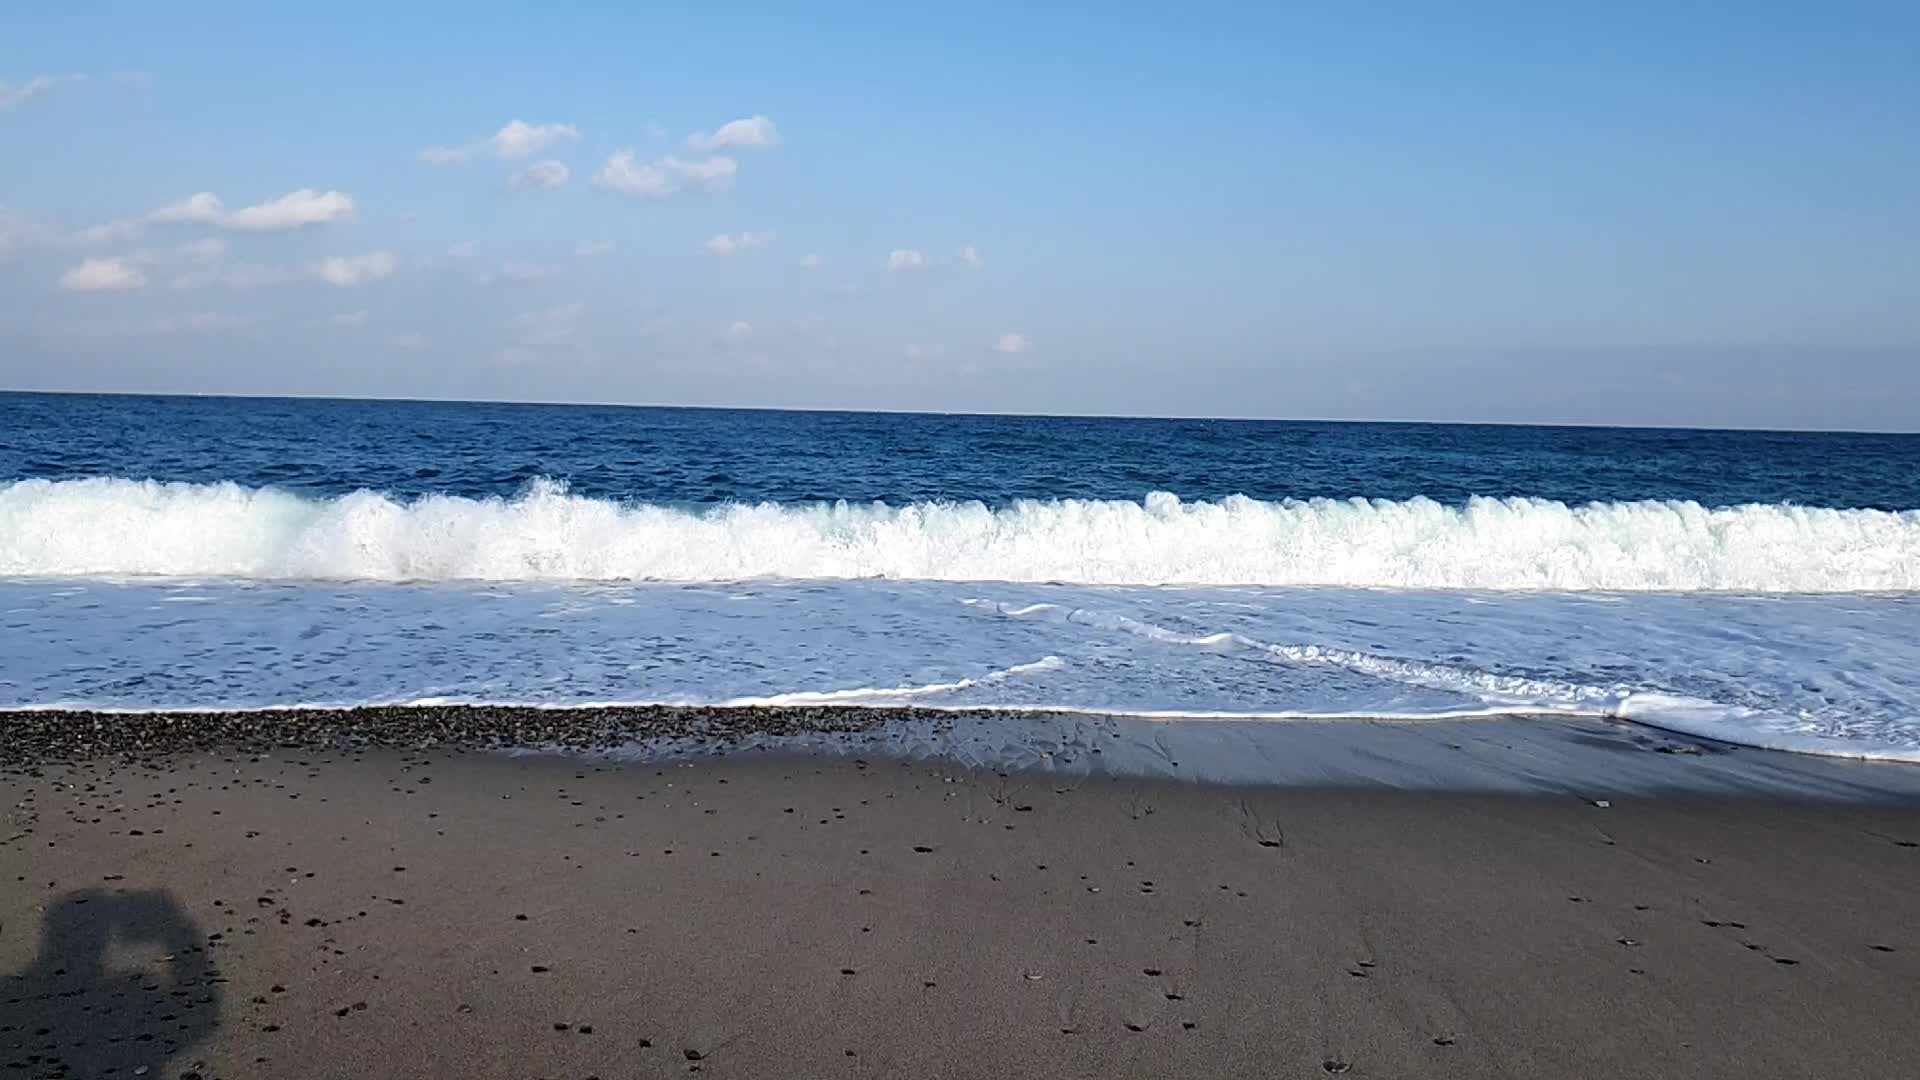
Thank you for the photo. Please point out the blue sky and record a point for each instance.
(1695, 213)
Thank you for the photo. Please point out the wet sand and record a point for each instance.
(446, 913)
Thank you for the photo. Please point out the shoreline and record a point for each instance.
(1587, 757)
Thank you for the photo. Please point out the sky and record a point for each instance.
(1671, 214)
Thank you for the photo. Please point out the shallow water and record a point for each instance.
(1824, 674)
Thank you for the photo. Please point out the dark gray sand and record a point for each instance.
(226, 912)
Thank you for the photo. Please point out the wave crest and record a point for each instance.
(115, 527)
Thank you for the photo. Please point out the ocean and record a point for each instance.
(159, 553)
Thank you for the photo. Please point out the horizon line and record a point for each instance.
(864, 411)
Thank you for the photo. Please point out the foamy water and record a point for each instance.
(106, 527)
(1831, 675)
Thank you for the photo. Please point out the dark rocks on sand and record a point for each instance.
(54, 735)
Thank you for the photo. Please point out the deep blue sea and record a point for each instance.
(159, 552)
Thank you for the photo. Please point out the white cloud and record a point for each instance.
(739, 330)
(206, 250)
(1012, 343)
(752, 131)
(921, 352)
(586, 249)
(540, 176)
(462, 250)
(349, 270)
(293, 210)
(349, 318)
(14, 95)
(96, 275)
(811, 262)
(412, 339)
(969, 257)
(667, 176)
(513, 270)
(724, 244)
(904, 259)
(202, 209)
(518, 139)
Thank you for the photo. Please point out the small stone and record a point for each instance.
(1333, 1066)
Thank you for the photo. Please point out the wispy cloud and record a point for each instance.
(15, 95)
(207, 249)
(667, 176)
(1012, 343)
(811, 261)
(345, 271)
(121, 272)
(514, 271)
(411, 339)
(969, 257)
(106, 232)
(725, 244)
(739, 331)
(587, 249)
(349, 318)
(518, 139)
(294, 210)
(752, 131)
(540, 176)
(901, 260)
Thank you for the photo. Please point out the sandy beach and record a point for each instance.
(244, 912)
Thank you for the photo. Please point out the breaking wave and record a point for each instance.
(110, 527)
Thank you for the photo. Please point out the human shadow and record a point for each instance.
(122, 986)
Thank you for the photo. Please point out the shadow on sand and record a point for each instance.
(122, 987)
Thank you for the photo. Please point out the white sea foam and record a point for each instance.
(898, 695)
(1503, 694)
(109, 527)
